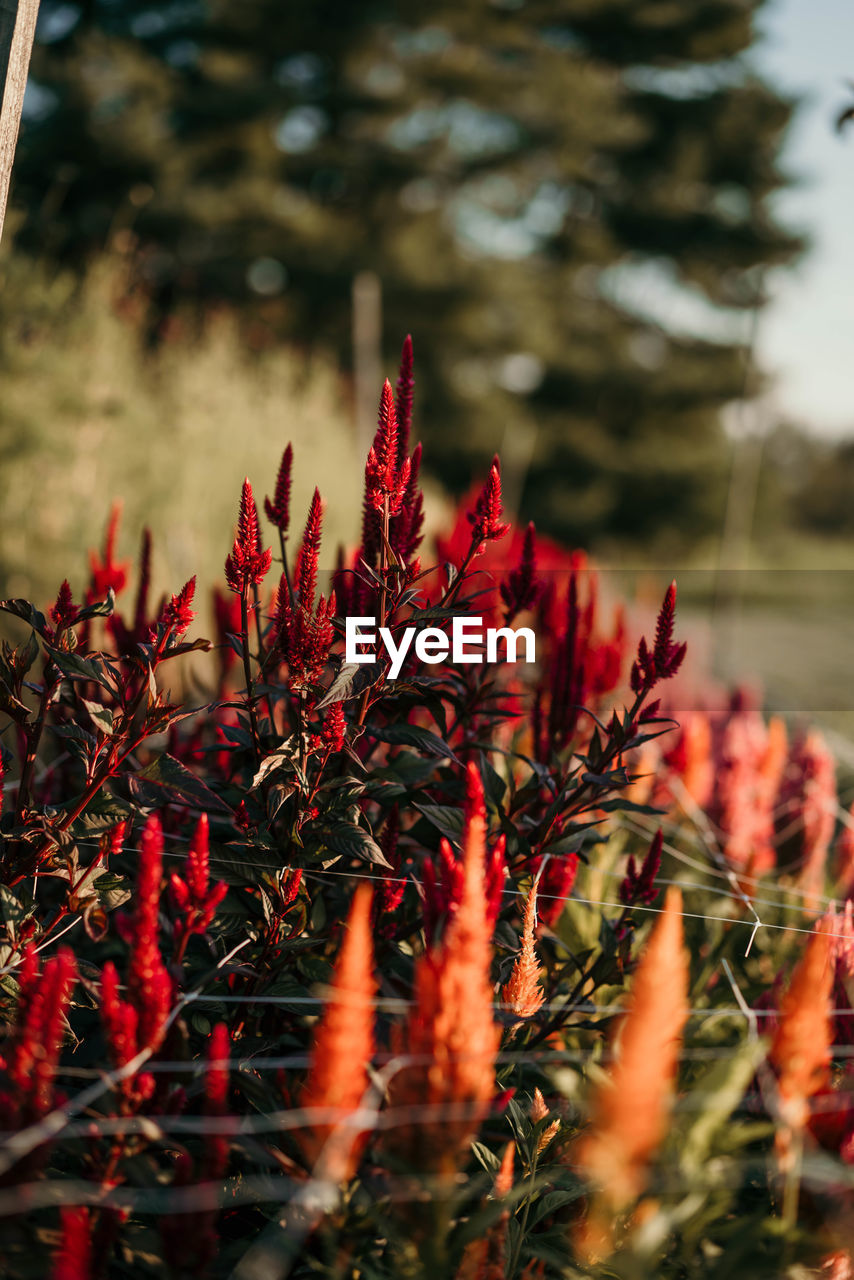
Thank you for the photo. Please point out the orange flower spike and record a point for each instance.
(465, 1023)
(800, 1050)
(522, 992)
(343, 1045)
(538, 1111)
(630, 1113)
(451, 1029)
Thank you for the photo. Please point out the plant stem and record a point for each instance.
(250, 703)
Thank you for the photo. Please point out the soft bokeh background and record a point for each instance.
(618, 231)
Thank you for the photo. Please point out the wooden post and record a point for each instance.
(17, 32)
(367, 355)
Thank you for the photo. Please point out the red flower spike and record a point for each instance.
(639, 886)
(403, 395)
(486, 518)
(384, 479)
(197, 859)
(177, 614)
(289, 885)
(31, 1052)
(443, 882)
(521, 590)
(279, 510)
(334, 727)
(309, 552)
(144, 584)
(149, 985)
(106, 573)
(216, 1096)
(495, 872)
(393, 884)
(305, 635)
(665, 658)
(555, 886)
(64, 612)
(73, 1258)
(405, 530)
(248, 564)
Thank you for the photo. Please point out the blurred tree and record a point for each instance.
(566, 201)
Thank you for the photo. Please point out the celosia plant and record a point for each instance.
(312, 973)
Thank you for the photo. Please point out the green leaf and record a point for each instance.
(444, 817)
(169, 773)
(721, 1087)
(29, 613)
(412, 735)
(73, 667)
(547, 1204)
(486, 1158)
(102, 716)
(349, 841)
(352, 679)
(74, 733)
(15, 910)
(26, 654)
(103, 812)
(101, 609)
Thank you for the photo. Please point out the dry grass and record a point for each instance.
(87, 416)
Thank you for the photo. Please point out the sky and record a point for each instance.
(806, 336)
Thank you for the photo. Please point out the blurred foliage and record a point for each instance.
(88, 416)
(542, 188)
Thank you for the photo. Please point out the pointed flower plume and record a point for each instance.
(522, 993)
(31, 1053)
(406, 528)
(443, 883)
(279, 509)
(143, 585)
(450, 1031)
(304, 633)
(73, 1258)
(800, 1050)
(195, 898)
(630, 1112)
(556, 884)
(139, 1022)
(485, 520)
(639, 886)
(248, 564)
(539, 1110)
(128, 636)
(177, 614)
(216, 1098)
(393, 884)
(149, 984)
(309, 553)
(521, 590)
(64, 612)
(665, 658)
(337, 1078)
(805, 810)
(384, 477)
(107, 572)
(403, 396)
(334, 727)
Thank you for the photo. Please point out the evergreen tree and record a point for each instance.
(521, 175)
